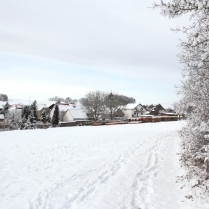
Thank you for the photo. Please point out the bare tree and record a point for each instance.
(94, 104)
(61, 99)
(114, 101)
(57, 99)
(103, 104)
(3, 97)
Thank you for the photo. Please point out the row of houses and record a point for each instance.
(75, 112)
(131, 111)
(67, 112)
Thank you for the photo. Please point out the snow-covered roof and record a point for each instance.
(16, 106)
(77, 105)
(130, 106)
(2, 104)
(78, 113)
(1, 116)
(152, 107)
(45, 103)
(63, 107)
(41, 106)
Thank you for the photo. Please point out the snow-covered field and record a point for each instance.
(106, 167)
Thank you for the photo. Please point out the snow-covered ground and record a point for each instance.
(105, 167)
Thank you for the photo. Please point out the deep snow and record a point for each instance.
(131, 166)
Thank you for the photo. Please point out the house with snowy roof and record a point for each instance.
(74, 115)
(133, 110)
(18, 104)
(62, 109)
(119, 113)
(154, 109)
(45, 107)
(70, 112)
(42, 108)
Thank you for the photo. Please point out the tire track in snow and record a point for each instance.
(109, 172)
(90, 186)
(142, 188)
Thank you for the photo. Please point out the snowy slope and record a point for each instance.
(105, 167)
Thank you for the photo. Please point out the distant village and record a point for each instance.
(96, 108)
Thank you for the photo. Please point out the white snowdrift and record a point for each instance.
(106, 167)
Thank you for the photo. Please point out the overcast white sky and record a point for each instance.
(67, 48)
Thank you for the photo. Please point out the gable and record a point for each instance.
(132, 106)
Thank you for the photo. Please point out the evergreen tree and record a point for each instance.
(32, 117)
(25, 112)
(5, 109)
(48, 119)
(31, 122)
(43, 117)
(14, 117)
(26, 117)
(33, 109)
(55, 118)
(23, 123)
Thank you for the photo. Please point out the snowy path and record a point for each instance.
(106, 167)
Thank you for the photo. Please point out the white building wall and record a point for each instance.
(67, 116)
(129, 113)
(52, 112)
